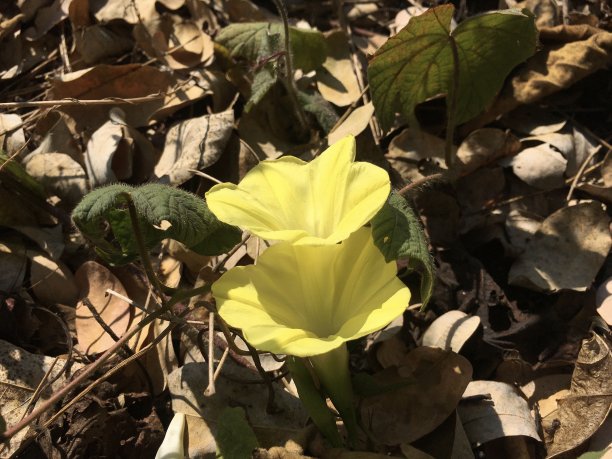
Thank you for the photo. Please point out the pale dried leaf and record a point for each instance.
(451, 331)
(337, 82)
(354, 124)
(566, 252)
(541, 167)
(12, 137)
(194, 144)
(93, 280)
(604, 301)
(505, 415)
(59, 174)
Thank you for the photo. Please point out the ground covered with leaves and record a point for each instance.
(500, 145)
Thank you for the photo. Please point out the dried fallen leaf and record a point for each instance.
(188, 383)
(541, 167)
(412, 149)
(52, 282)
(583, 51)
(483, 146)
(451, 331)
(112, 81)
(59, 174)
(505, 415)
(586, 407)
(20, 374)
(192, 145)
(12, 137)
(566, 252)
(604, 301)
(93, 280)
(336, 81)
(354, 124)
(116, 151)
(14, 264)
(437, 380)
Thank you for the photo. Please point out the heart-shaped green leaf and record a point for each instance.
(427, 59)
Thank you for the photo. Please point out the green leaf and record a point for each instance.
(398, 233)
(262, 83)
(322, 110)
(163, 212)
(418, 62)
(11, 170)
(251, 41)
(235, 438)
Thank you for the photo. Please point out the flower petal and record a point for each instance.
(307, 300)
(321, 202)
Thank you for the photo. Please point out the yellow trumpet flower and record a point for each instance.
(316, 203)
(308, 300)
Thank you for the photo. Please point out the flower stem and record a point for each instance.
(289, 81)
(332, 369)
(314, 401)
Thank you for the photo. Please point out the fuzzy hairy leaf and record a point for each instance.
(235, 438)
(163, 212)
(314, 103)
(418, 62)
(398, 233)
(250, 41)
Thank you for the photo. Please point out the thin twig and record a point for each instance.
(210, 390)
(107, 329)
(70, 101)
(579, 174)
(47, 404)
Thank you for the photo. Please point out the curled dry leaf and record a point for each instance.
(93, 280)
(566, 252)
(192, 145)
(506, 414)
(436, 379)
(451, 331)
(604, 192)
(118, 152)
(582, 412)
(336, 81)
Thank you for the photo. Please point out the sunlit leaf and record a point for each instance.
(163, 212)
(398, 233)
(250, 41)
(419, 62)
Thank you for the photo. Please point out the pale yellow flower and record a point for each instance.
(315, 203)
(309, 300)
